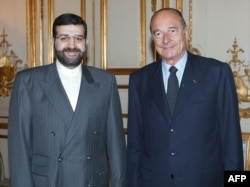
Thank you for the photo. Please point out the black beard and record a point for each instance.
(71, 63)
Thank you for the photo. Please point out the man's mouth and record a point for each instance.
(71, 52)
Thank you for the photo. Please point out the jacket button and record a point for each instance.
(172, 130)
(53, 133)
(60, 159)
(172, 176)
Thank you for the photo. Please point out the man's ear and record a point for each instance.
(186, 29)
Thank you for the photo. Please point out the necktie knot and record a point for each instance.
(173, 69)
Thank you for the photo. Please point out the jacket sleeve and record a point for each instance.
(19, 135)
(228, 116)
(135, 139)
(116, 140)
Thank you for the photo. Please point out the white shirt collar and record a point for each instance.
(180, 65)
(67, 72)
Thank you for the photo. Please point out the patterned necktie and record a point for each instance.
(173, 87)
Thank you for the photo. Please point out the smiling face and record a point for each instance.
(70, 45)
(169, 35)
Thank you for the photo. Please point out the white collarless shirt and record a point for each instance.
(71, 80)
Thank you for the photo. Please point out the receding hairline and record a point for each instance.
(171, 10)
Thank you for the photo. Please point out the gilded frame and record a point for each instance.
(4, 125)
(179, 6)
(31, 34)
(103, 36)
(246, 149)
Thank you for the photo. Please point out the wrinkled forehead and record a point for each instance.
(166, 19)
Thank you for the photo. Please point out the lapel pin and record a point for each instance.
(194, 81)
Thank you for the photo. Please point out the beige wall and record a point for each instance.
(119, 38)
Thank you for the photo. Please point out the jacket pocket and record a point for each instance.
(40, 165)
(103, 178)
(212, 176)
(40, 181)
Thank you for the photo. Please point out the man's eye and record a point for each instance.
(172, 31)
(79, 39)
(62, 38)
(157, 33)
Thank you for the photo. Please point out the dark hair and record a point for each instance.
(177, 12)
(69, 19)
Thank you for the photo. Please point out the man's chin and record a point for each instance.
(71, 64)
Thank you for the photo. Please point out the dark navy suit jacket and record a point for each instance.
(201, 140)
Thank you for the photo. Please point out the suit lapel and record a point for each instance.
(157, 89)
(190, 80)
(55, 92)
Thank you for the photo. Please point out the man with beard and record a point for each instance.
(65, 125)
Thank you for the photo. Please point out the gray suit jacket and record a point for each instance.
(50, 145)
